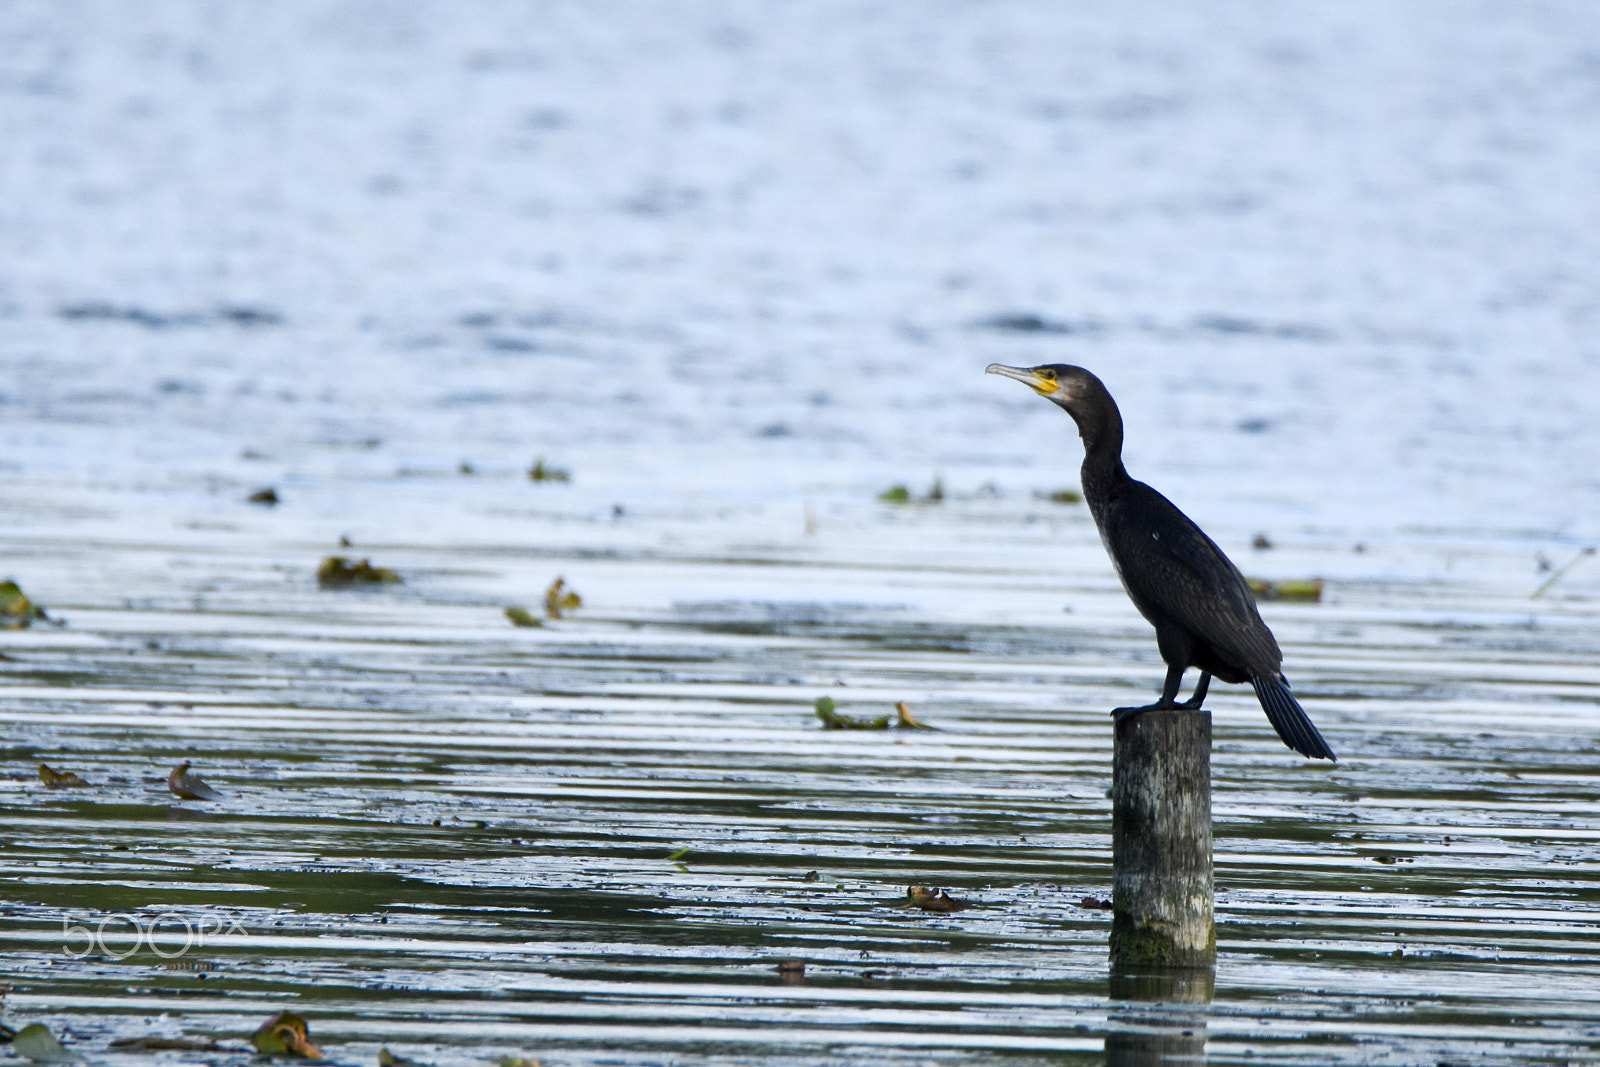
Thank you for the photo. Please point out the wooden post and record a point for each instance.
(1162, 895)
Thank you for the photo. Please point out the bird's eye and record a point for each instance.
(1050, 375)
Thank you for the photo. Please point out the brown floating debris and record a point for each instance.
(1261, 542)
(267, 496)
(17, 612)
(832, 720)
(518, 1061)
(1309, 589)
(54, 779)
(337, 571)
(190, 786)
(1095, 904)
(389, 1059)
(907, 721)
(932, 898)
(523, 617)
(285, 1034)
(35, 1042)
(559, 598)
(1061, 496)
(792, 972)
(162, 1044)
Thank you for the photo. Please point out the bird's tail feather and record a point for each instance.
(1289, 718)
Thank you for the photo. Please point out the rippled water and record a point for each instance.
(739, 270)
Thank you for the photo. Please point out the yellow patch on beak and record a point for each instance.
(1044, 386)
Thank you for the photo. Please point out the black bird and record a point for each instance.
(1204, 614)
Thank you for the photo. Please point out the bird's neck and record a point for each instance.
(1101, 431)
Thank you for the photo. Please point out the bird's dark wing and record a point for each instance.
(1173, 571)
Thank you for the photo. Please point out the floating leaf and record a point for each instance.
(1308, 590)
(267, 496)
(930, 898)
(907, 721)
(285, 1034)
(389, 1059)
(37, 1043)
(337, 571)
(541, 473)
(1061, 496)
(682, 852)
(190, 786)
(17, 612)
(832, 720)
(54, 779)
(523, 617)
(559, 598)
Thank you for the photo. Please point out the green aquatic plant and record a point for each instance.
(895, 494)
(523, 617)
(285, 1034)
(54, 779)
(832, 720)
(560, 598)
(338, 571)
(1309, 589)
(541, 473)
(17, 612)
(899, 494)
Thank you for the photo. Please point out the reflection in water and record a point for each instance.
(1162, 1032)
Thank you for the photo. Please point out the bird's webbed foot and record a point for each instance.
(1118, 714)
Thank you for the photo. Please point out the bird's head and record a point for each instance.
(1081, 395)
(1060, 383)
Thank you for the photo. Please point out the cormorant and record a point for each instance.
(1204, 614)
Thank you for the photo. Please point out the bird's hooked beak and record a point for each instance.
(1029, 376)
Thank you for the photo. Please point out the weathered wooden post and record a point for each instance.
(1162, 896)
